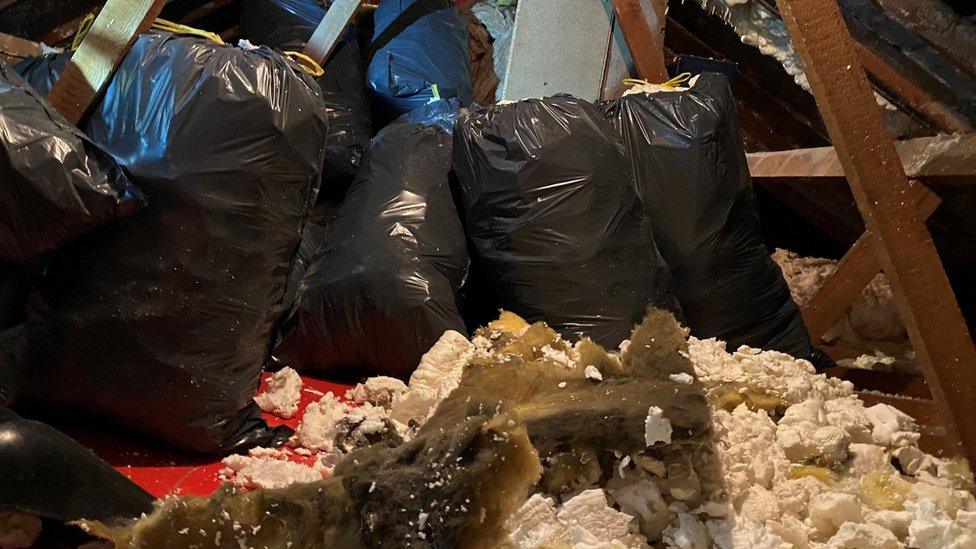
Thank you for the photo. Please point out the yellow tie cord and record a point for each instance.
(305, 62)
(669, 85)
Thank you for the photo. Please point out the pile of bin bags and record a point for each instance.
(162, 321)
(564, 205)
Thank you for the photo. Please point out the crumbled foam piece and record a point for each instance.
(792, 531)
(805, 434)
(582, 539)
(794, 495)
(688, 533)
(437, 375)
(320, 424)
(592, 373)
(589, 511)
(558, 356)
(830, 510)
(894, 521)
(773, 373)
(440, 368)
(870, 362)
(682, 377)
(268, 472)
(867, 458)
(932, 528)
(747, 450)
(361, 425)
(862, 535)
(759, 505)
(637, 495)
(733, 534)
(657, 428)
(284, 390)
(378, 391)
(535, 524)
(849, 414)
(892, 427)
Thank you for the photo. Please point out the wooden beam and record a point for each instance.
(855, 271)
(942, 343)
(330, 29)
(915, 96)
(112, 33)
(942, 159)
(17, 47)
(646, 47)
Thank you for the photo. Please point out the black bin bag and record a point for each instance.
(56, 184)
(383, 286)
(163, 320)
(554, 220)
(288, 25)
(691, 172)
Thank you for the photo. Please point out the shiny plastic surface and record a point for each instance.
(691, 172)
(431, 50)
(383, 287)
(45, 473)
(56, 184)
(163, 321)
(287, 25)
(557, 227)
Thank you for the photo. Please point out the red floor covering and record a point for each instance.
(164, 472)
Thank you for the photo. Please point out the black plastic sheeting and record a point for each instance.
(555, 222)
(45, 473)
(383, 287)
(56, 184)
(163, 321)
(691, 173)
(288, 25)
(408, 54)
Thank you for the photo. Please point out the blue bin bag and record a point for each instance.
(410, 54)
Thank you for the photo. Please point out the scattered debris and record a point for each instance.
(282, 394)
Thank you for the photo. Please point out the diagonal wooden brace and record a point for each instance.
(943, 346)
(108, 40)
(644, 44)
(855, 271)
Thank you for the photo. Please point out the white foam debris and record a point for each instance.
(535, 524)
(558, 356)
(933, 528)
(584, 521)
(828, 511)
(589, 511)
(682, 377)
(379, 391)
(805, 434)
(281, 396)
(855, 535)
(320, 424)
(268, 470)
(437, 375)
(768, 372)
(592, 373)
(892, 427)
(657, 428)
(870, 362)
